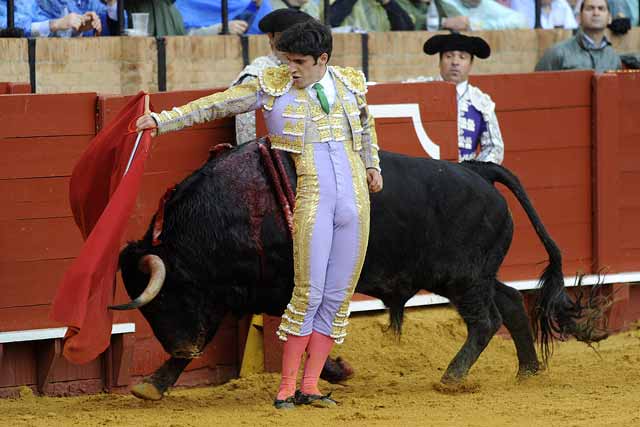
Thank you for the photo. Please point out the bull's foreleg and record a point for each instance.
(153, 388)
(483, 321)
(514, 316)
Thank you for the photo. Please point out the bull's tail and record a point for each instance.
(554, 314)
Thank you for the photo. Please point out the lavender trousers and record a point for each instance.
(331, 230)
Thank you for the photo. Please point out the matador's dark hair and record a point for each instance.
(306, 38)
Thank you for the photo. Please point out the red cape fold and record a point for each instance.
(102, 199)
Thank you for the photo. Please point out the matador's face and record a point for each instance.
(305, 70)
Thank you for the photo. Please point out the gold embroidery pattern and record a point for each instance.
(325, 134)
(353, 79)
(361, 192)
(336, 121)
(304, 220)
(291, 112)
(351, 109)
(235, 100)
(292, 145)
(275, 81)
(294, 128)
(316, 112)
(367, 140)
(338, 134)
(268, 105)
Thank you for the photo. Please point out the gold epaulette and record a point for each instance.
(275, 81)
(353, 79)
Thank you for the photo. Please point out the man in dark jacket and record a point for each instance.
(589, 48)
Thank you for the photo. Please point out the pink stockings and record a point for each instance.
(318, 347)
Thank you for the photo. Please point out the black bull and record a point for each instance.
(437, 226)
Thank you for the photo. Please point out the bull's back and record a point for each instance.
(430, 214)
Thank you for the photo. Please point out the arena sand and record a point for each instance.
(395, 384)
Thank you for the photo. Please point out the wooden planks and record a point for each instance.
(537, 91)
(48, 115)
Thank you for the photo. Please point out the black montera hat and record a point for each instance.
(281, 19)
(456, 41)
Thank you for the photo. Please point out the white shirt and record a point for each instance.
(328, 85)
(560, 15)
(461, 89)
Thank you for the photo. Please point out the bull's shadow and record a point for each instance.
(225, 248)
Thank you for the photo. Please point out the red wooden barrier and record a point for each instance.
(13, 88)
(627, 169)
(546, 120)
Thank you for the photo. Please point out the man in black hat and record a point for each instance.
(273, 24)
(479, 136)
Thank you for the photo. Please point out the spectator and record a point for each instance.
(479, 136)
(589, 48)
(310, 7)
(370, 15)
(557, 14)
(23, 18)
(164, 17)
(62, 18)
(526, 8)
(618, 9)
(417, 10)
(475, 15)
(70, 18)
(203, 17)
(272, 25)
(621, 16)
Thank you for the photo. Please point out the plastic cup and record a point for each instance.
(140, 23)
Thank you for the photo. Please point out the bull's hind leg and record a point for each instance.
(509, 302)
(483, 320)
(154, 387)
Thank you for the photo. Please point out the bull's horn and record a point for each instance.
(148, 264)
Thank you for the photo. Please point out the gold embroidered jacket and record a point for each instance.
(288, 111)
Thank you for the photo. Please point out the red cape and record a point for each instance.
(102, 198)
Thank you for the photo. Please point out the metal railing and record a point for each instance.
(224, 14)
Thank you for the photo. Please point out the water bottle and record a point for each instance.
(433, 17)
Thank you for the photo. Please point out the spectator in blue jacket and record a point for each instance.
(204, 17)
(67, 18)
(61, 18)
(24, 10)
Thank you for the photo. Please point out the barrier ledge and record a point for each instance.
(52, 333)
(521, 285)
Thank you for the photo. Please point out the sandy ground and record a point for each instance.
(394, 385)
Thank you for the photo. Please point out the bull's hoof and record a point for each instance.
(456, 387)
(527, 372)
(336, 371)
(146, 391)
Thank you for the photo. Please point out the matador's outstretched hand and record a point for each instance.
(146, 122)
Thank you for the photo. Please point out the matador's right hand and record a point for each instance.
(146, 122)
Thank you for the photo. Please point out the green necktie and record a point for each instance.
(322, 97)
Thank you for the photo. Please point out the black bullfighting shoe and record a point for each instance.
(288, 403)
(319, 400)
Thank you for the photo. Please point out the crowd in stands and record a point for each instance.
(65, 18)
